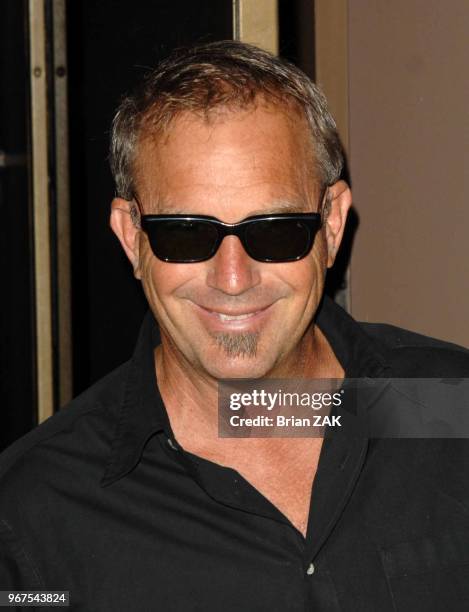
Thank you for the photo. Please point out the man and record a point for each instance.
(230, 209)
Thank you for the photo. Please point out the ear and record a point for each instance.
(125, 223)
(339, 200)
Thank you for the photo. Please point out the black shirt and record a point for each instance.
(100, 500)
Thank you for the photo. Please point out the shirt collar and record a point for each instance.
(358, 353)
(142, 412)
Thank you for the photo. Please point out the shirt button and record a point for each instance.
(171, 444)
(310, 570)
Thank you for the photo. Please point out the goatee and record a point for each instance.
(238, 345)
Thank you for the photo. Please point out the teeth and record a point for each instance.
(225, 317)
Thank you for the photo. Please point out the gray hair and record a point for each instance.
(225, 74)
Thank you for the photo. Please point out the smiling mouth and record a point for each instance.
(226, 316)
(241, 317)
(237, 319)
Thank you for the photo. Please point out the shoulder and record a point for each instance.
(86, 423)
(49, 472)
(413, 354)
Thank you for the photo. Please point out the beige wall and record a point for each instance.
(409, 161)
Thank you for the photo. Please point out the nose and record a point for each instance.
(231, 269)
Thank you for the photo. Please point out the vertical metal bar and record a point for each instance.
(331, 36)
(41, 220)
(256, 22)
(236, 20)
(64, 345)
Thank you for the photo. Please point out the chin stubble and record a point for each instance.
(238, 345)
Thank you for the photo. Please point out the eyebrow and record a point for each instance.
(277, 208)
(280, 207)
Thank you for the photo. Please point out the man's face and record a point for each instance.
(232, 316)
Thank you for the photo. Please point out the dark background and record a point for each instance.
(17, 361)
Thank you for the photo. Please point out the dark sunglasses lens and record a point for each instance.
(182, 241)
(278, 240)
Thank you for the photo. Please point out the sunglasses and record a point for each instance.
(271, 238)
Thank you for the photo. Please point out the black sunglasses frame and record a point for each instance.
(311, 221)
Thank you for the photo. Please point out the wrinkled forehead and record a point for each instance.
(264, 147)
